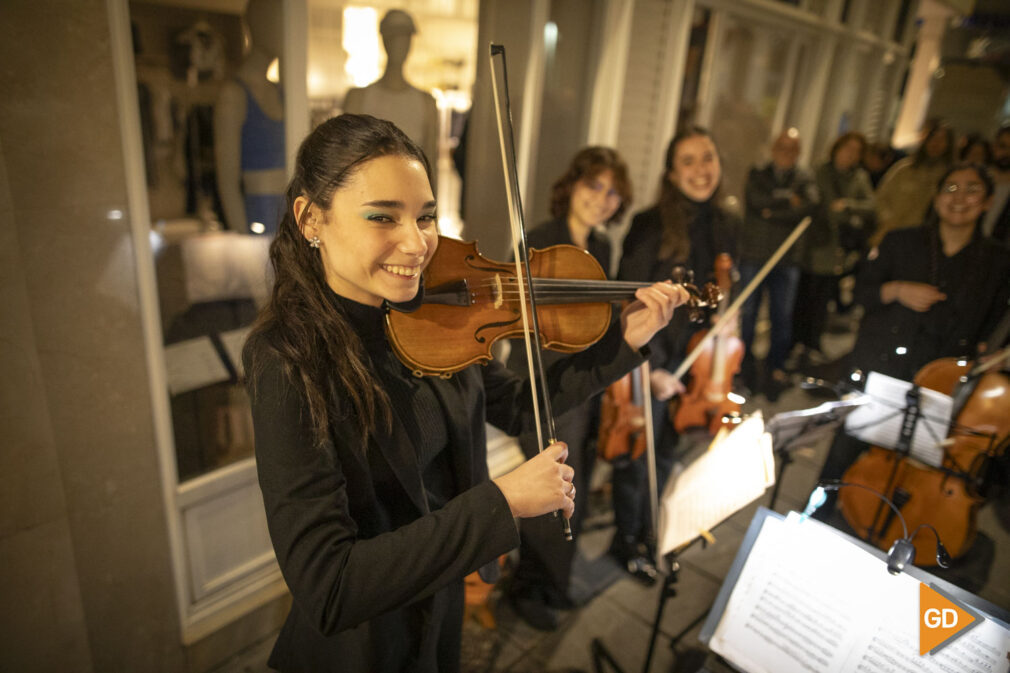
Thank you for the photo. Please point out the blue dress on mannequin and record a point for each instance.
(262, 150)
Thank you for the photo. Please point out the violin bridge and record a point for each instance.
(498, 293)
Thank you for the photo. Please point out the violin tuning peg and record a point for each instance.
(682, 275)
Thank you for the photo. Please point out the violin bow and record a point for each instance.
(747, 291)
(534, 354)
(650, 451)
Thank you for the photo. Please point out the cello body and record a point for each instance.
(948, 497)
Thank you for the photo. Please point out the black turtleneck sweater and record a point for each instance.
(411, 398)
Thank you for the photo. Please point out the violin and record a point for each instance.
(622, 419)
(946, 497)
(469, 302)
(706, 401)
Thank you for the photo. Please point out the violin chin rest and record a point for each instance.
(411, 305)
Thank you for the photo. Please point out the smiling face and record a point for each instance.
(961, 199)
(379, 233)
(594, 200)
(785, 152)
(696, 170)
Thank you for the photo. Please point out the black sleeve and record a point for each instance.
(999, 306)
(877, 269)
(639, 252)
(337, 579)
(571, 381)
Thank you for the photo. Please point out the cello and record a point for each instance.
(947, 497)
(707, 399)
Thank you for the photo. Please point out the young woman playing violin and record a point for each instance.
(593, 193)
(688, 228)
(375, 482)
(928, 292)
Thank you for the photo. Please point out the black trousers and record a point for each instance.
(630, 480)
(810, 314)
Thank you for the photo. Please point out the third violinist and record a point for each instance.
(686, 229)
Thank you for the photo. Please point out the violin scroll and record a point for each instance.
(707, 296)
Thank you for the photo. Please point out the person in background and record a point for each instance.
(996, 222)
(846, 212)
(686, 229)
(974, 149)
(375, 481)
(877, 158)
(778, 196)
(903, 196)
(932, 291)
(591, 195)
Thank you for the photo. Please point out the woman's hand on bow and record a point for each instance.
(540, 485)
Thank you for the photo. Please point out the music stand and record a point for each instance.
(669, 589)
(693, 504)
(792, 429)
(793, 574)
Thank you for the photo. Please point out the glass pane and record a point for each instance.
(213, 132)
(700, 23)
(818, 7)
(570, 54)
(422, 83)
(901, 24)
(746, 91)
(875, 14)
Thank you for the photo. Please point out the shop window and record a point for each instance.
(210, 258)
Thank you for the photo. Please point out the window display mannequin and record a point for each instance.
(391, 97)
(249, 130)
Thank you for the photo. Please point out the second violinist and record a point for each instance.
(687, 228)
(591, 195)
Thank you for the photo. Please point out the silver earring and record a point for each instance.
(314, 243)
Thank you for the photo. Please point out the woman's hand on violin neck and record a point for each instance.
(540, 485)
(664, 385)
(650, 312)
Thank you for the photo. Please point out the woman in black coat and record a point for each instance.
(686, 230)
(928, 292)
(375, 482)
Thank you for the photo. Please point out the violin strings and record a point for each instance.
(556, 283)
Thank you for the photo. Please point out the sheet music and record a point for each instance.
(879, 422)
(233, 342)
(809, 601)
(735, 470)
(193, 364)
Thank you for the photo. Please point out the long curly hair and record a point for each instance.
(586, 165)
(321, 351)
(675, 209)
